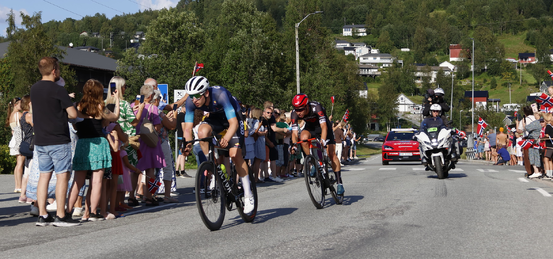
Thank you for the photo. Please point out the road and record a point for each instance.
(394, 211)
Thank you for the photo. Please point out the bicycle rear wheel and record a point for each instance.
(331, 183)
(313, 181)
(248, 217)
(210, 199)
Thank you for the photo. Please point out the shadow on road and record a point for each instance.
(350, 199)
(451, 175)
(262, 216)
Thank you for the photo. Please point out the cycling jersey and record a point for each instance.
(313, 121)
(221, 103)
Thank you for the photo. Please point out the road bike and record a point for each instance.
(217, 190)
(317, 178)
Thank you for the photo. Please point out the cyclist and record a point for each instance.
(318, 125)
(224, 114)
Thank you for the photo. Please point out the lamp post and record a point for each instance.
(460, 125)
(298, 51)
(472, 121)
(510, 92)
(451, 103)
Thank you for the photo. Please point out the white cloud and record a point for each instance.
(157, 4)
(4, 12)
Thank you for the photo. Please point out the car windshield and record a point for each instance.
(398, 135)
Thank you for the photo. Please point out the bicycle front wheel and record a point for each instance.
(210, 199)
(313, 180)
(248, 217)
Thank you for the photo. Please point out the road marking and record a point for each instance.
(517, 171)
(491, 170)
(387, 168)
(354, 169)
(457, 170)
(542, 191)
(418, 169)
(523, 180)
(481, 170)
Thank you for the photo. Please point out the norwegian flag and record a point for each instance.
(461, 133)
(544, 100)
(550, 74)
(481, 126)
(198, 67)
(546, 109)
(516, 115)
(154, 185)
(346, 116)
(332, 99)
(526, 144)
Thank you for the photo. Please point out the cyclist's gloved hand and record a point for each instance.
(323, 142)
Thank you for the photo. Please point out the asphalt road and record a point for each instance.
(394, 211)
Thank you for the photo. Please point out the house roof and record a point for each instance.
(433, 68)
(526, 55)
(367, 66)
(476, 94)
(341, 41)
(349, 48)
(355, 26)
(383, 55)
(360, 44)
(78, 58)
(455, 46)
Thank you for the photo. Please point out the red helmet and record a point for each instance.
(300, 100)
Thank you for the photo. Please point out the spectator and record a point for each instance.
(548, 164)
(270, 141)
(339, 138)
(52, 139)
(259, 133)
(518, 149)
(14, 109)
(534, 129)
(492, 138)
(27, 134)
(503, 155)
(521, 129)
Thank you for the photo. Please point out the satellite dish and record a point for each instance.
(71, 44)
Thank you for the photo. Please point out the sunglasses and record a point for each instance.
(300, 109)
(197, 96)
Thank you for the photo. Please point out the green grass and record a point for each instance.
(364, 151)
(514, 44)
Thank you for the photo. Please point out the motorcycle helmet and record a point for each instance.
(196, 85)
(435, 107)
(300, 100)
(439, 91)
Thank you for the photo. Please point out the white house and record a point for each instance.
(379, 60)
(340, 44)
(433, 73)
(350, 51)
(368, 70)
(406, 105)
(358, 30)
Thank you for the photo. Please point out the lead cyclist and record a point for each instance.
(317, 124)
(224, 113)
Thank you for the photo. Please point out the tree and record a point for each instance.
(493, 83)
(384, 43)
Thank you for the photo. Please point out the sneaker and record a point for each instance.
(290, 176)
(249, 204)
(52, 207)
(277, 179)
(340, 189)
(95, 217)
(65, 221)
(174, 194)
(269, 180)
(110, 216)
(534, 175)
(356, 157)
(34, 211)
(43, 222)
(78, 212)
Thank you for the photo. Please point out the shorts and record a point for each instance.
(54, 158)
(273, 153)
(218, 124)
(548, 153)
(317, 134)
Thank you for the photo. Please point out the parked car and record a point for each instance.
(379, 138)
(399, 145)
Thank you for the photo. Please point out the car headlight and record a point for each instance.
(387, 148)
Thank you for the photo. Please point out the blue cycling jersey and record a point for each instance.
(221, 102)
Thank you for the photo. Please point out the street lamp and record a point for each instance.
(451, 103)
(298, 51)
(472, 127)
(460, 125)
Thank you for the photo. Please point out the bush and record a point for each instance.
(7, 162)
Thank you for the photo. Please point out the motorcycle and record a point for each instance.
(436, 147)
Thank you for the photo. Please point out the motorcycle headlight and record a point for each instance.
(434, 142)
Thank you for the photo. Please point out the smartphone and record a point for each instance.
(534, 107)
(164, 97)
(175, 107)
(141, 98)
(112, 87)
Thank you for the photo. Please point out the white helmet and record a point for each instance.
(435, 107)
(439, 91)
(196, 85)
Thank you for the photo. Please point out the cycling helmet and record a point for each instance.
(435, 107)
(439, 91)
(196, 85)
(300, 100)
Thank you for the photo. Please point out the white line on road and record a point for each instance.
(387, 168)
(457, 170)
(518, 171)
(542, 191)
(481, 170)
(523, 180)
(418, 169)
(354, 169)
(491, 170)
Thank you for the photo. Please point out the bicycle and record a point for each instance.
(317, 178)
(216, 190)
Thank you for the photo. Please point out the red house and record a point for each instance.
(480, 97)
(456, 53)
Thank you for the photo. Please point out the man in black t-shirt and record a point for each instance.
(51, 110)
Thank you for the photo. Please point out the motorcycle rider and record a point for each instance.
(435, 96)
(431, 122)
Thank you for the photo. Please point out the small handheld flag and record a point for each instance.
(154, 185)
(481, 126)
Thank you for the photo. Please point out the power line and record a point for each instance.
(63, 8)
(135, 2)
(107, 6)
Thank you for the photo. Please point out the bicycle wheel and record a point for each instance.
(315, 186)
(210, 199)
(332, 184)
(248, 217)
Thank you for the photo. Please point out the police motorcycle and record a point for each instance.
(437, 152)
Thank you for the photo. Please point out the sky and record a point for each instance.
(59, 10)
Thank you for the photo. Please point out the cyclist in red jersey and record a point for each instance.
(318, 125)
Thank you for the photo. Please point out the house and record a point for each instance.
(368, 70)
(421, 71)
(138, 36)
(360, 44)
(456, 52)
(350, 51)
(84, 34)
(96, 34)
(357, 30)
(527, 58)
(86, 65)
(480, 98)
(88, 48)
(340, 44)
(406, 105)
(379, 60)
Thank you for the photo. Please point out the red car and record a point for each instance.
(400, 146)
